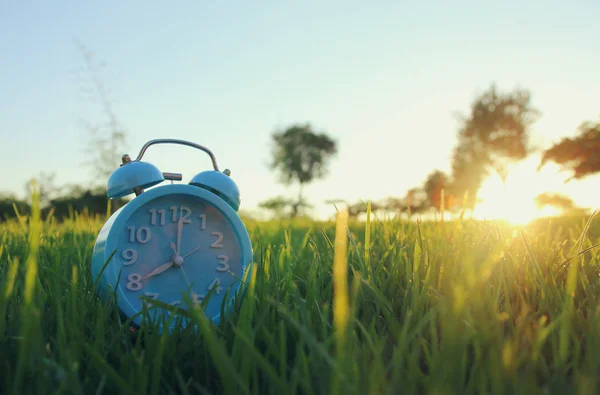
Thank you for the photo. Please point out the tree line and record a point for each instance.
(494, 135)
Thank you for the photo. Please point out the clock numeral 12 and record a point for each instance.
(184, 217)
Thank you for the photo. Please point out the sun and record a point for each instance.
(514, 200)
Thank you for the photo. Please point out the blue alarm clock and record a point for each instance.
(172, 243)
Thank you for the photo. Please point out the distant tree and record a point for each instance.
(560, 202)
(8, 204)
(107, 138)
(468, 173)
(278, 205)
(415, 201)
(92, 202)
(580, 155)
(493, 136)
(434, 184)
(46, 186)
(301, 155)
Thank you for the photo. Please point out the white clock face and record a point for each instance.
(178, 245)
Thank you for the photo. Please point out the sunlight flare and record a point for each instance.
(514, 200)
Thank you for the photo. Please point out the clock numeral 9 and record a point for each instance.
(135, 282)
(223, 266)
(142, 235)
(131, 255)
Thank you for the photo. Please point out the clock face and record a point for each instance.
(176, 245)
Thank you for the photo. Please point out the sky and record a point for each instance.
(386, 80)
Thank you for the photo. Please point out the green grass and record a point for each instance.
(396, 308)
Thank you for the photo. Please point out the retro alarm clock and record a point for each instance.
(172, 240)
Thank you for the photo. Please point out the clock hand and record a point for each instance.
(186, 278)
(196, 299)
(191, 252)
(179, 229)
(158, 270)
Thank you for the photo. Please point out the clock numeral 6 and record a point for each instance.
(223, 266)
(131, 255)
(135, 282)
(142, 235)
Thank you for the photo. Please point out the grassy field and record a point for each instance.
(397, 307)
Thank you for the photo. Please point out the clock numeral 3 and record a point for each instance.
(135, 282)
(223, 266)
(142, 235)
(217, 243)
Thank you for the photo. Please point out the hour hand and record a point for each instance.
(159, 270)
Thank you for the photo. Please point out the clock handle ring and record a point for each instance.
(181, 142)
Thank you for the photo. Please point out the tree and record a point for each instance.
(107, 139)
(46, 186)
(560, 202)
(580, 155)
(277, 205)
(435, 183)
(301, 155)
(90, 202)
(10, 206)
(415, 201)
(493, 136)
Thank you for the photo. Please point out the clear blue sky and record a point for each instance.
(384, 78)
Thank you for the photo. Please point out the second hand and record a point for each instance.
(186, 277)
(192, 251)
